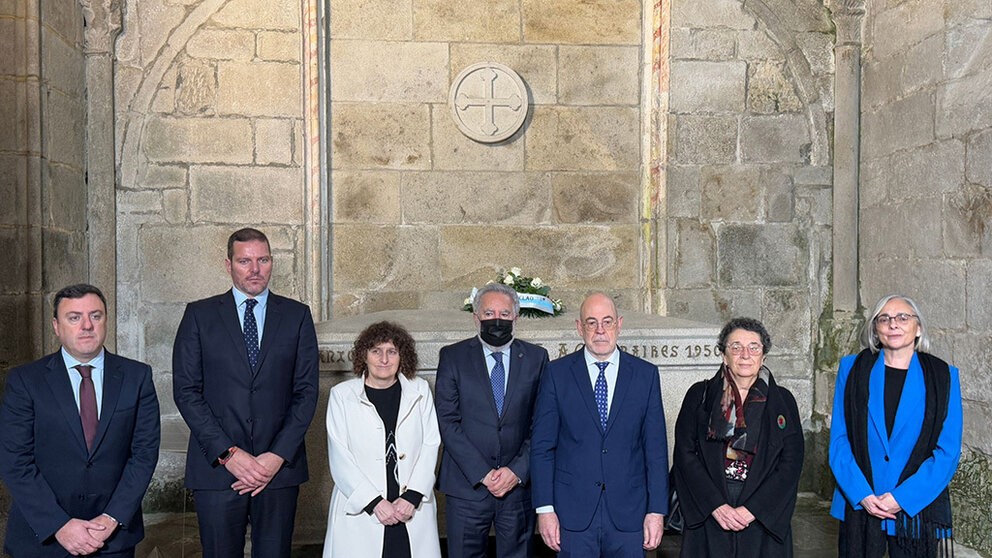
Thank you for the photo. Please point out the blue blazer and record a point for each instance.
(227, 403)
(889, 455)
(47, 468)
(476, 438)
(575, 464)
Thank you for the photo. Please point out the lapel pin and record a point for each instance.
(781, 422)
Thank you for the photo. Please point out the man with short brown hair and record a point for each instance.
(244, 376)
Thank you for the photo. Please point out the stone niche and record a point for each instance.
(684, 352)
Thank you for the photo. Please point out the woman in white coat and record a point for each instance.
(382, 440)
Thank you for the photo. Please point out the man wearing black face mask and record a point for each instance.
(485, 392)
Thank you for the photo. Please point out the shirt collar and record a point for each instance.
(95, 362)
(240, 297)
(614, 358)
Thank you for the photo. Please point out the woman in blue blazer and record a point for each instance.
(895, 439)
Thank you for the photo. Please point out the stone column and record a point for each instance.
(847, 16)
(103, 23)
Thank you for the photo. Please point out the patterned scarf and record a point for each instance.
(729, 421)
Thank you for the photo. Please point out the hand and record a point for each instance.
(728, 518)
(404, 509)
(654, 528)
(271, 463)
(547, 525)
(243, 488)
(385, 512)
(109, 526)
(888, 502)
(247, 469)
(501, 481)
(872, 505)
(75, 537)
(745, 514)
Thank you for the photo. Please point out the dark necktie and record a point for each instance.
(602, 394)
(251, 332)
(87, 404)
(498, 382)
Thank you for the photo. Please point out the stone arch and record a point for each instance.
(781, 18)
(141, 101)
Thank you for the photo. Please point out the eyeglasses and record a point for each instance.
(754, 348)
(900, 318)
(593, 325)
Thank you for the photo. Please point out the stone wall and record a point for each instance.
(43, 212)
(749, 172)
(926, 199)
(421, 213)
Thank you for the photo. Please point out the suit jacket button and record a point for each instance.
(599, 483)
(604, 451)
(886, 457)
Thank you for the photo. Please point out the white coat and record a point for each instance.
(356, 442)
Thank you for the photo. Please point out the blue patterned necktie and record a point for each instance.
(602, 394)
(251, 332)
(498, 382)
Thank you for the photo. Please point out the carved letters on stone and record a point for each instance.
(488, 102)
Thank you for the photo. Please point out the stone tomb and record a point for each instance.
(684, 352)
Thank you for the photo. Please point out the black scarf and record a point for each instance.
(916, 535)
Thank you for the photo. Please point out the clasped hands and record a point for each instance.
(80, 537)
(500, 481)
(882, 507)
(253, 473)
(391, 513)
(732, 519)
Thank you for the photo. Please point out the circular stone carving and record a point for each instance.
(488, 102)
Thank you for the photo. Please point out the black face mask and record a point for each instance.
(496, 332)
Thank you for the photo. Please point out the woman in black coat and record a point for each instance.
(738, 454)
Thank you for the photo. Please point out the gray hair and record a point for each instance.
(869, 335)
(496, 288)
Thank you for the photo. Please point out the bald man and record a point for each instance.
(599, 454)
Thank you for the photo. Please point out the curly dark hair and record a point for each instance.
(747, 324)
(385, 332)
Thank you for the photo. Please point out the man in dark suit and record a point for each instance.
(485, 391)
(79, 440)
(599, 456)
(244, 376)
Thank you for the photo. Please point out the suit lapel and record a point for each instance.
(229, 318)
(479, 372)
(113, 379)
(876, 402)
(273, 315)
(515, 360)
(580, 373)
(58, 382)
(619, 392)
(408, 398)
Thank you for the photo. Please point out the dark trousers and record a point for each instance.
(468, 523)
(893, 547)
(224, 516)
(601, 538)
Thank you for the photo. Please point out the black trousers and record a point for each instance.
(224, 515)
(468, 523)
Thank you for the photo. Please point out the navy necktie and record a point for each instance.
(87, 403)
(251, 332)
(498, 382)
(602, 394)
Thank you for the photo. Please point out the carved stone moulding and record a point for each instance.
(488, 102)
